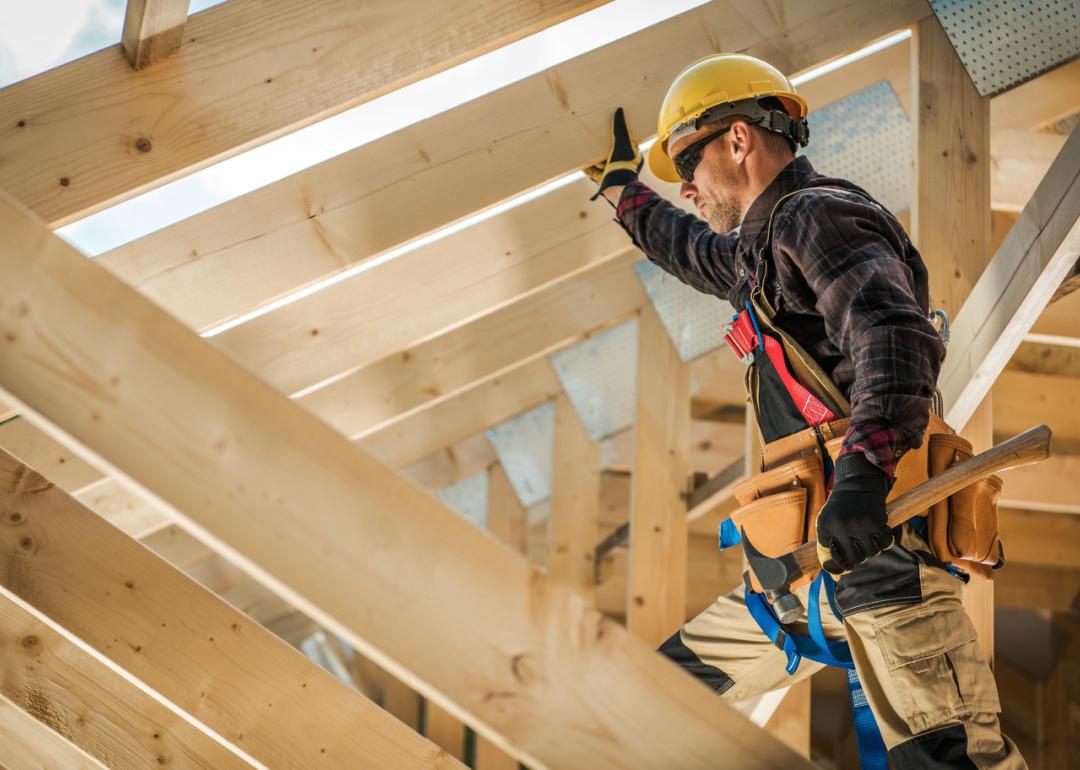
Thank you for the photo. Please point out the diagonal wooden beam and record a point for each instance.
(1015, 287)
(94, 132)
(421, 294)
(27, 744)
(349, 209)
(94, 707)
(308, 513)
(139, 612)
(375, 396)
(153, 30)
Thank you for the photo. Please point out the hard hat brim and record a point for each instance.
(661, 165)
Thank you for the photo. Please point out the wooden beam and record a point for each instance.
(1051, 485)
(93, 706)
(94, 132)
(1022, 400)
(1038, 537)
(575, 502)
(658, 534)
(790, 722)
(444, 730)
(507, 519)
(244, 467)
(1015, 287)
(413, 298)
(316, 223)
(153, 30)
(104, 587)
(28, 744)
(1035, 587)
(979, 592)
(950, 220)
(1046, 99)
(374, 396)
(1019, 160)
(1061, 318)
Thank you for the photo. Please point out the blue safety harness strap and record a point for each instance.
(816, 647)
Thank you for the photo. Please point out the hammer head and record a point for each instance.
(774, 574)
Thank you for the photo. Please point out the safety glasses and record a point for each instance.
(686, 162)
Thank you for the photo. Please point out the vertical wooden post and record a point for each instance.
(658, 530)
(979, 593)
(951, 216)
(507, 518)
(445, 730)
(575, 502)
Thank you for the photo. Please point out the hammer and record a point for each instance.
(777, 574)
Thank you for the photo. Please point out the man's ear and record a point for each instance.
(741, 140)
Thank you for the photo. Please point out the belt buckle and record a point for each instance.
(745, 356)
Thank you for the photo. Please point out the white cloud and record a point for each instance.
(36, 35)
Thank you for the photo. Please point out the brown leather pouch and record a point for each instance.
(806, 473)
(964, 529)
(793, 447)
(775, 524)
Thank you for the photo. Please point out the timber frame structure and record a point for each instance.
(193, 480)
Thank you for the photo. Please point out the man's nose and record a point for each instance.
(688, 190)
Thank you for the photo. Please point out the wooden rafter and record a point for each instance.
(94, 132)
(103, 713)
(26, 742)
(153, 30)
(348, 209)
(73, 567)
(1035, 256)
(307, 512)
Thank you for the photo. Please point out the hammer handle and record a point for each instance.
(1028, 447)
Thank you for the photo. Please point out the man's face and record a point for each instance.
(718, 179)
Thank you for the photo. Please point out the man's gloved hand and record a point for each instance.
(852, 525)
(624, 159)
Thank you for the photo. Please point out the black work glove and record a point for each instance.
(623, 161)
(853, 526)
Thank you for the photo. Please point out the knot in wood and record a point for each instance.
(29, 642)
(522, 666)
(143, 145)
(26, 543)
(14, 518)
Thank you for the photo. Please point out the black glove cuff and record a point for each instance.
(619, 177)
(855, 472)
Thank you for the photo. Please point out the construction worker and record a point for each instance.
(844, 285)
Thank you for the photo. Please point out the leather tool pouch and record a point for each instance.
(778, 506)
(964, 529)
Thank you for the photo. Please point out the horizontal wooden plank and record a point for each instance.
(1051, 485)
(1022, 400)
(1038, 537)
(1014, 288)
(309, 514)
(1018, 162)
(1033, 587)
(238, 256)
(182, 641)
(94, 132)
(94, 707)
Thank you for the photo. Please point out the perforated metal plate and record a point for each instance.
(524, 446)
(1003, 43)
(866, 138)
(693, 320)
(599, 376)
(469, 498)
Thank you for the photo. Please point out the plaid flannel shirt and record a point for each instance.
(846, 283)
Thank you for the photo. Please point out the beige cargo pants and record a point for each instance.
(914, 647)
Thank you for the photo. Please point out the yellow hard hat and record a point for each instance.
(733, 81)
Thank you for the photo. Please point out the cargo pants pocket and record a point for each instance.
(936, 669)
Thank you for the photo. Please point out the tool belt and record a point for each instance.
(801, 416)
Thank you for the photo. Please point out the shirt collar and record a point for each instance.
(795, 175)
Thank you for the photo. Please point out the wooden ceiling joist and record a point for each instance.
(153, 30)
(423, 293)
(374, 397)
(1040, 249)
(308, 513)
(95, 131)
(144, 615)
(97, 709)
(394, 189)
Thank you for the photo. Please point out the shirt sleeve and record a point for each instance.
(678, 242)
(859, 264)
